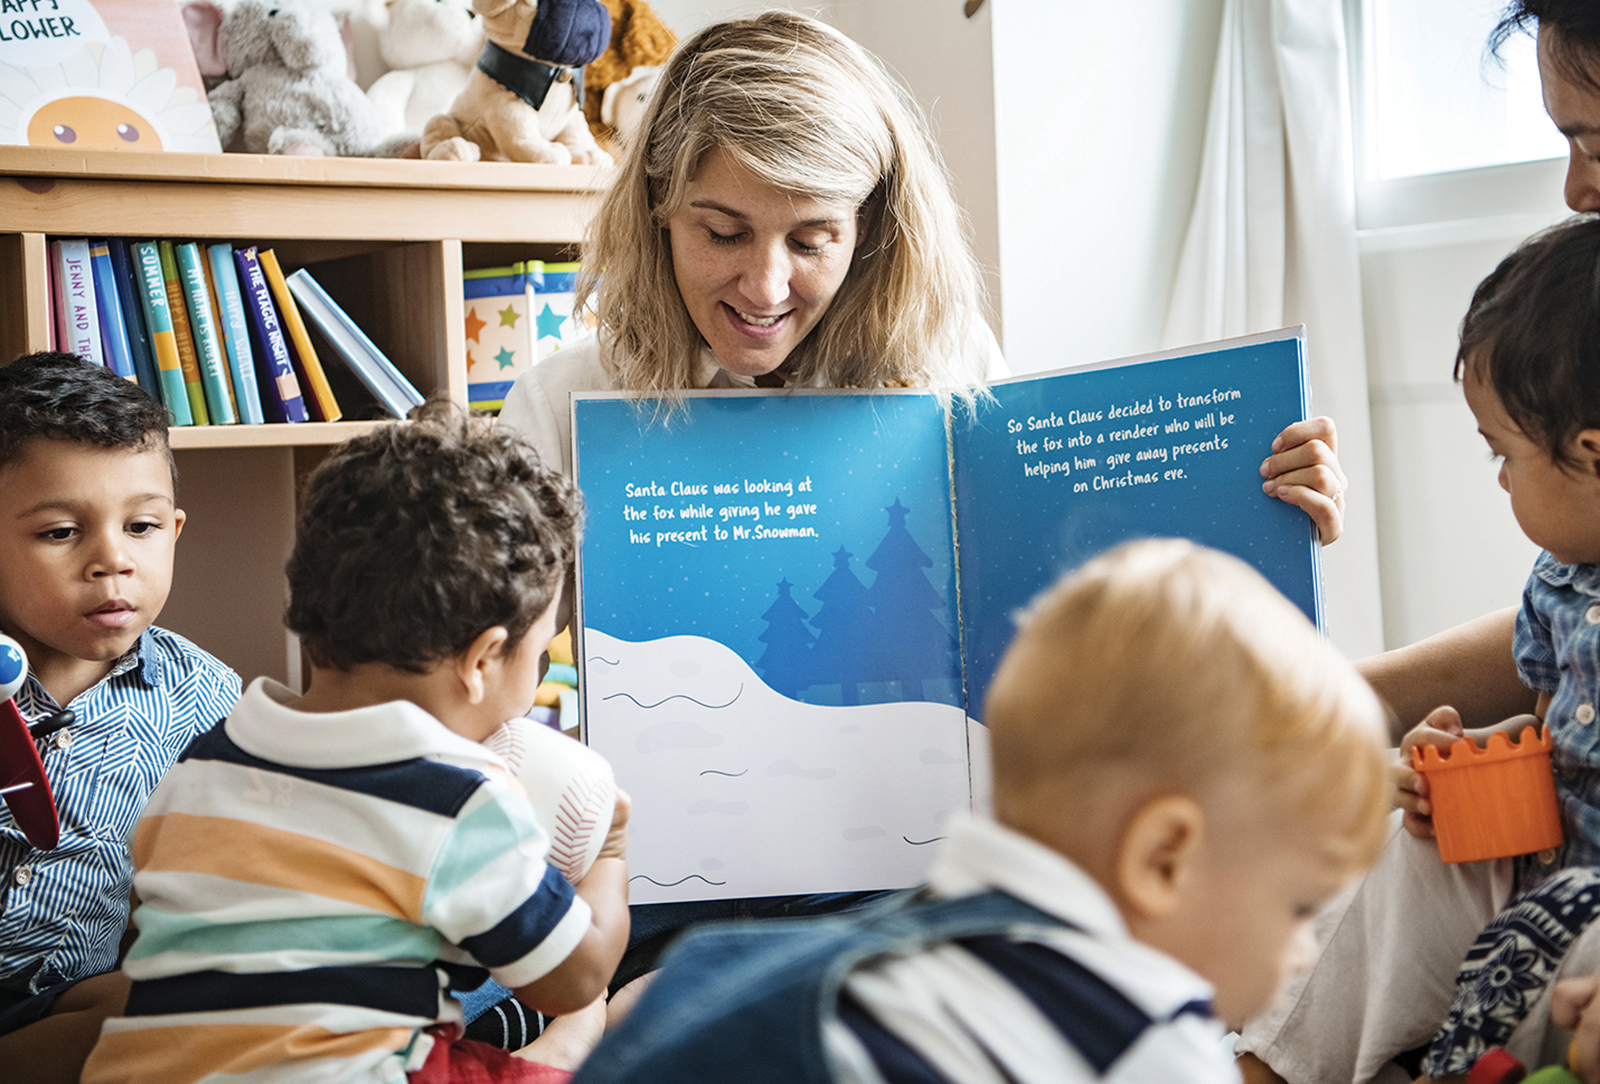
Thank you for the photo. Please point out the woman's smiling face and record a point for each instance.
(756, 266)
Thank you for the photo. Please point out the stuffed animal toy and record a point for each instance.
(428, 48)
(288, 89)
(639, 39)
(623, 105)
(521, 102)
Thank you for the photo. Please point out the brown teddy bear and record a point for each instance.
(638, 39)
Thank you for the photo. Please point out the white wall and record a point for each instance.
(1447, 542)
(1099, 121)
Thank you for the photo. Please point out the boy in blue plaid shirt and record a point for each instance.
(88, 523)
(1429, 964)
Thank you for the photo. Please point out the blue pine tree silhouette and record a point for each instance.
(786, 664)
(909, 644)
(843, 626)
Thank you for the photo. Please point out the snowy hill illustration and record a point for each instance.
(741, 791)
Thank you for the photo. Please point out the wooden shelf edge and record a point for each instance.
(271, 435)
(271, 169)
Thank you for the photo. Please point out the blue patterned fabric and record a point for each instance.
(1557, 647)
(62, 912)
(1509, 966)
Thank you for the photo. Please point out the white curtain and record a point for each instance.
(1271, 242)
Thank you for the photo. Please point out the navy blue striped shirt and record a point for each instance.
(62, 912)
(1082, 1002)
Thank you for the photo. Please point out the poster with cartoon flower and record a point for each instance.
(107, 75)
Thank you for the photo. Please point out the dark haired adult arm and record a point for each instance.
(1469, 667)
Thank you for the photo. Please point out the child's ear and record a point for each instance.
(1587, 447)
(481, 657)
(1157, 853)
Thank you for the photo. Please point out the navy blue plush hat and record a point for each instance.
(569, 33)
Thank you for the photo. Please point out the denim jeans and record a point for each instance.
(656, 925)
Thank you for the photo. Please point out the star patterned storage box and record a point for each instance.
(500, 334)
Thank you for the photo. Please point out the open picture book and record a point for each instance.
(791, 602)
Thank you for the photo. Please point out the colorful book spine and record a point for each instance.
(50, 288)
(324, 407)
(127, 279)
(241, 360)
(77, 321)
(208, 347)
(222, 330)
(376, 372)
(158, 322)
(183, 333)
(108, 307)
(280, 389)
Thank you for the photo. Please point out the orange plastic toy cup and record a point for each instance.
(1493, 802)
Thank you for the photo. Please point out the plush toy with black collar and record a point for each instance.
(523, 100)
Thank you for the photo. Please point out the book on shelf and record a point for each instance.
(500, 336)
(205, 328)
(50, 292)
(108, 309)
(313, 381)
(114, 75)
(77, 320)
(779, 568)
(157, 311)
(371, 366)
(127, 282)
(281, 399)
(220, 327)
(183, 334)
(236, 337)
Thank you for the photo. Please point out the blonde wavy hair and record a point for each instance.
(1184, 665)
(806, 110)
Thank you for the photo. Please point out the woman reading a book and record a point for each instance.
(782, 218)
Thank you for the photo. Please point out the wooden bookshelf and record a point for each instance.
(388, 239)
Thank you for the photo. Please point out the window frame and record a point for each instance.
(1530, 189)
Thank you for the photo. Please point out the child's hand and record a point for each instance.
(1443, 728)
(1573, 1006)
(1304, 471)
(616, 844)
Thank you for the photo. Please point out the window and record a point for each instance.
(1437, 102)
(1444, 131)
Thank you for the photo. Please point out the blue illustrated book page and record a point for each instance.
(773, 649)
(768, 637)
(1064, 465)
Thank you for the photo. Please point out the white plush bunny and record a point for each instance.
(429, 47)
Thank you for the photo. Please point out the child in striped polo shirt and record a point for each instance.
(89, 522)
(1183, 772)
(319, 872)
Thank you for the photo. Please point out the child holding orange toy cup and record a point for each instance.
(1454, 942)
